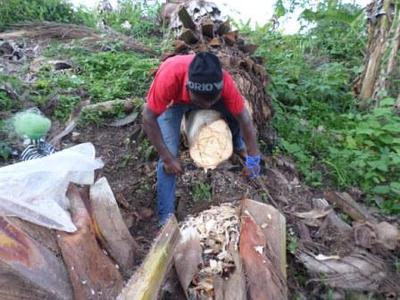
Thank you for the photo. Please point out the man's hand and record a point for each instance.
(173, 166)
(252, 166)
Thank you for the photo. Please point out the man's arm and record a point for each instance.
(152, 129)
(248, 131)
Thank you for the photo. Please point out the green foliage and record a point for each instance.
(6, 102)
(146, 150)
(100, 76)
(141, 19)
(316, 116)
(113, 75)
(293, 243)
(17, 11)
(5, 151)
(202, 191)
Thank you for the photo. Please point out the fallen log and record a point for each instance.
(347, 204)
(110, 106)
(209, 138)
(110, 226)
(146, 282)
(27, 269)
(92, 273)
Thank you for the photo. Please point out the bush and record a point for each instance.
(17, 11)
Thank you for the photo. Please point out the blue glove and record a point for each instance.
(252, 165)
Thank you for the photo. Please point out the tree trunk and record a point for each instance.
(110, 226)
(93, 274)
(146, 282)
(248, 72)
(381, 71)
(209, 138)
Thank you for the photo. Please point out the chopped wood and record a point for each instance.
(180, 46)
(233, 288)
(146, 282)
(110, 226)
(273, 225)
(247, 63)
(231, 37)
(189, 36)
(187, 256)
(215, 42)
(348, 205)
(27, 269)
(207, 28)
(209, 138)
(225, 27)
(186, 19)
(248, 48)
(93, 274)
(264, 280)
(216, 231)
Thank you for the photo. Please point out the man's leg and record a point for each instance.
(170, 124)
(237, 140)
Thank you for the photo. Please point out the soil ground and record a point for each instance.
(130, 165)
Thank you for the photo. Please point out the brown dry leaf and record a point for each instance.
(387, 235)
(359, 271)
(313, 214)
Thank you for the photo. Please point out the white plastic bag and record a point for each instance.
(35, 190)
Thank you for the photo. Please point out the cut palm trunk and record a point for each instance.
(27, 269)
(110, 226)
(265, 278)
(209, 138)
(146, 282)
(93, 274)
(202, 28)
(220, 258)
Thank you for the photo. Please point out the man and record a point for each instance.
(185, 83)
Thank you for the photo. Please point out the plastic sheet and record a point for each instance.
(35, 190)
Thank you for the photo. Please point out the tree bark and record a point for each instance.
(110, 226)
(92, 273)
(146, 282)
(234, 53)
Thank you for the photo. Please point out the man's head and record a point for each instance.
(205, 80)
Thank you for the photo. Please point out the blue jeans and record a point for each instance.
(170, 125)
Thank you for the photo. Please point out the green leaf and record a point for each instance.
(387, 102)
(392, 128)
(381, 189)
(395, 187)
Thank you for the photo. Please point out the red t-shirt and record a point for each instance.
(169, 87)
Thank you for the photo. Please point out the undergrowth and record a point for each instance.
(17, 11)
(317, 118)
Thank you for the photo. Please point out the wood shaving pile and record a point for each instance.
(218, 229)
